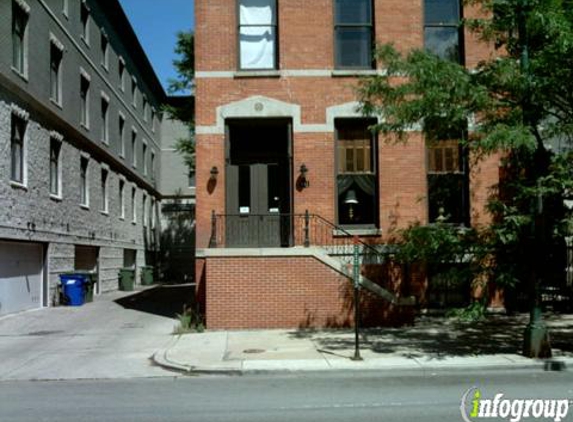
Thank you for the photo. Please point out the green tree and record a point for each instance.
(184, 83)
(519, 103)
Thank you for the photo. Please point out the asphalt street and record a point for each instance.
(333, 396)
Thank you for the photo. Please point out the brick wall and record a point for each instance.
(287, 292)
(306, 43)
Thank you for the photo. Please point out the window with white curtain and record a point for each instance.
(257, 34)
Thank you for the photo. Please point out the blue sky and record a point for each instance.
(156, 22)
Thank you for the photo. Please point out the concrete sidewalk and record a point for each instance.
(432, 344)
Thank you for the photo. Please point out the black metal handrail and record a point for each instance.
(289, 230)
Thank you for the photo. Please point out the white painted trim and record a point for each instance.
(105, 97)
(214, 74)
(85, 74)
(292, 73)
(56, 135)
(24, 6)
(264, 107)
(54, 40)
(20, 112)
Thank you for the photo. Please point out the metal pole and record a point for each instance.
(356, 277)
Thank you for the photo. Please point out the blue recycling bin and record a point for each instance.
(73, 288)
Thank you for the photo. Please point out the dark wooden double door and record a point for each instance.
(258, 185)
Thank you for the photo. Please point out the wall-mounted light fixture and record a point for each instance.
(303, 181)
(214, 172)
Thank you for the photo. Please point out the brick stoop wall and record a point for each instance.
(287, 292)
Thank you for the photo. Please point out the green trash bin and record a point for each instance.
(146, 276)
(126, 279)
(90, 286)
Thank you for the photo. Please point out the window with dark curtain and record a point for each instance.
(442, 31)
(353, 34)
(356, 173)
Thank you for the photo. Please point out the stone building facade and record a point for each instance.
(279, 135)
(80, 142)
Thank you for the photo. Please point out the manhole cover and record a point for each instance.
(254, 351)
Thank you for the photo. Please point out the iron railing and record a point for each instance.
(287, 230)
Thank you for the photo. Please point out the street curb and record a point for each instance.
(161, 358)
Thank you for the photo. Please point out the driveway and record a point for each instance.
(113, 337)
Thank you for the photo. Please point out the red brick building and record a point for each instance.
(278, 134)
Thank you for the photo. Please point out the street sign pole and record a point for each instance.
(356, 276)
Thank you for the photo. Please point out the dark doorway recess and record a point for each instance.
(259, 174)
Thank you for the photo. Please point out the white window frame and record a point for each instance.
(121, 134)
(133, 147)
(56, 137)
(121, 69)
(85, 35)
(24, 116)
(104, 135)
(85, 204)
(152, 164)
(134, 91)
(55, 43)
(121, 194)
(104, 184)
(25, 10)
(152, 211)
(145, 108)
(144, 148)
(144, 210)
(104, 50)
(85, 111)
(134, 204)
(66, 8)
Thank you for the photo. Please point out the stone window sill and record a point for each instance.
(256, 74)
(57, 198)
(18, 185)
(353, 72)
(56, 103)
(21, 75)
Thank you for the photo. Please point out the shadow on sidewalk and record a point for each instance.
(440, 338)
(164, 301)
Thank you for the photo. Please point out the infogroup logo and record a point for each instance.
(475, 407)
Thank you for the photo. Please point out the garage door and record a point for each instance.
(21, 276)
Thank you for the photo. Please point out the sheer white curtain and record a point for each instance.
(257, 35)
